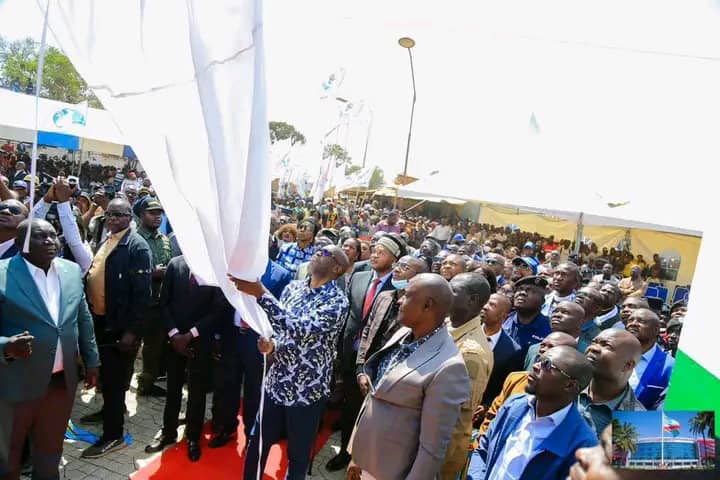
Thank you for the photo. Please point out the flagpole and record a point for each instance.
(662, 439)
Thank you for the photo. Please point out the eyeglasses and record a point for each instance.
(304, 227)
(403, 267)
(13, 209)
(323, 253)
(546, 364)
(116, 214)
(492, 262)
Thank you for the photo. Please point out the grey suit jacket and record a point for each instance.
(405, 425)
(22, 308)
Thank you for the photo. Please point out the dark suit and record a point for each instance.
(127, 296)
(508, 358)
(240, 369)
(9, 253)
(33, 400)
(355, 322)
(186, 305)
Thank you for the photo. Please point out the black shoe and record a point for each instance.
(93, 418)
(103, 447)
(154, 391)
(193, 450)
(221, 439)
(160, 443)
(338, 462)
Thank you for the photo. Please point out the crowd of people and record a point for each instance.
(452, 349)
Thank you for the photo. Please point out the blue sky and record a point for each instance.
(648, 424)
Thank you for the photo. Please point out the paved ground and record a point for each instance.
(143, 423)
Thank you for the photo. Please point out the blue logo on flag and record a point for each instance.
(68, 116)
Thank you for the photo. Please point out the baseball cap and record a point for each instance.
(532, 280)
(526, 261)
(529, 245)
(20, 184)
(458, 238)
(675, 322)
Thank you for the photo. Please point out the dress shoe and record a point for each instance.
(193, 450)
(221, 439)
(103, 447)
(160, 443)
(338, 462)
(153, 391)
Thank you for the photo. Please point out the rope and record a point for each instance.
(259, 472)
(38, 85)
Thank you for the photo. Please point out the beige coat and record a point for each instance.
(406, 422)
(478, 356)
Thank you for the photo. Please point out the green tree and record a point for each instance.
(377, 179)
(624, 438)
(701, 422)
(282, 131)
(337, 152)
(350, 169)
(18, 65)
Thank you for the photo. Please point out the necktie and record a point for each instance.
(370, 297)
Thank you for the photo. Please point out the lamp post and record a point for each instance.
(408, 43)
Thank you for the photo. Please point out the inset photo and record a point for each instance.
(659, 440)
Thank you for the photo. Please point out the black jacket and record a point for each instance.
(185, 304)
(354, 322)
(128, 271)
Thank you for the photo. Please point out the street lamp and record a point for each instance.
(408, 43)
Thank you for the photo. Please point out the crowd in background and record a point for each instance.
(451, 348)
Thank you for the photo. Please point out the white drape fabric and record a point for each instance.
(184, 82)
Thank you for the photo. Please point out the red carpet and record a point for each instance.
(225, 462)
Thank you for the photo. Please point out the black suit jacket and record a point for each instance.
(508, 357)
(185, 304)
(354, 322)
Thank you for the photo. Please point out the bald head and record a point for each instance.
(471, 292)
(575, 365)
(614, 353)
(568, 317)
(645, 325)
(426, 303)
(418, 265)
(495, 311)
(591, 300)
(557, 339)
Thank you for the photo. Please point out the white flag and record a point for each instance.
(190, 99)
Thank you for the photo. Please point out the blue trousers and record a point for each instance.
(298, 424)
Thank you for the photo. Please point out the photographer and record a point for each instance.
(60, 194)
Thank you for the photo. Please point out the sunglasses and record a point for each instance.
(492, 262)
(13, 209)
(116, 214)
(304, 227)
(325, 253)
(547, 365)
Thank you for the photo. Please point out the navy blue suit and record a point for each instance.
(507, 357)
(552, 458)
(241, 364)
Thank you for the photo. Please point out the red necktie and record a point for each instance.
(370, 297)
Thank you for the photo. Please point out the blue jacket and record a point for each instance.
(22, 308)
(556, 454)
(653, 384)
(276, 278)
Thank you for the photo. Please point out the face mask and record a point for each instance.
(400, 284)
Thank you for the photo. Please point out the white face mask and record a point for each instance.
(400, 284)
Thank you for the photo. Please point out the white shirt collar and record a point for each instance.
(601, 318)
(493, 339)
(5, 246)
(556, 418)
(35, 270)
(649, 354)
(382, 279)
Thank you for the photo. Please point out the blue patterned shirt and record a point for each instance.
(400, 352)
(307, 322)
(291, 256)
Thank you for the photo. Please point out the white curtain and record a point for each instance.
(184, 82)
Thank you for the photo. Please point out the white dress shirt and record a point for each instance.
(493, 339)
(71, 232)
(5, 246)
(521, 445)
(49, 287)
(641, 366)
